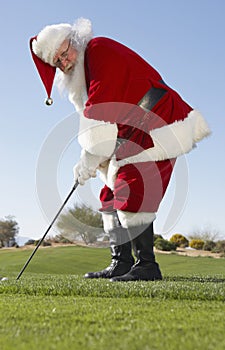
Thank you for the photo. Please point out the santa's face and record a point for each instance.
(65, 57)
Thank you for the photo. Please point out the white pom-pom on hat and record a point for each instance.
(82, 32)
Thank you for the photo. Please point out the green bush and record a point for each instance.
(164, 245)
(156, 236)
(209, 245)
(197, 244)
(179, 240)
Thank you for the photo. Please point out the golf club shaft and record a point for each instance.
(41, 240)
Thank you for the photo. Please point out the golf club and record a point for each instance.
(41, 240)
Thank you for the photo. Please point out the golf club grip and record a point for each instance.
(41, 240)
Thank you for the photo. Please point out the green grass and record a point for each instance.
(53, 307)
(78, 260)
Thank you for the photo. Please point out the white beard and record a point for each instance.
(74, 83)
(90, 130)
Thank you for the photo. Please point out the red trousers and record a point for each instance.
(139, 187)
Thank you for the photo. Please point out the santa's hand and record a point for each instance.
(87, 167)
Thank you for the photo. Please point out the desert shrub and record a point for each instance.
(65, 240)
(62, 240)
(59, 239)
(220, 247)
(30, 242)
(179, 240)
(15, 245)
(164, 245)
(105, 238)
(156, 236)
(209, 245)
(44, 243)
(197, 244)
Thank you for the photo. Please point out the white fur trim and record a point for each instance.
(52, 36)
(97, 137)
(110, 221)
(173, 140)
(108, 172)
(49, 40)
(128, 219)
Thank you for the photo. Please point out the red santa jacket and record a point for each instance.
(117, 78)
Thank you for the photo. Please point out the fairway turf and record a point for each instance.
(78, 260)
(53, 307)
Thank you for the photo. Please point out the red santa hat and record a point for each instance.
(46, 72)
(45, 45)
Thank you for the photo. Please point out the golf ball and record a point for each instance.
(4, 279)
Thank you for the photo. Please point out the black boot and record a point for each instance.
(146, 268)
(122, 259)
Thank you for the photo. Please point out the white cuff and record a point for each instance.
(128, 219)
(97, 137)
(173, 140)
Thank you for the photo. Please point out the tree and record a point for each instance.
(206, 233)
(8, 230)
(80, 222)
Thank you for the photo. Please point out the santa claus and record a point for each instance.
(133, 126)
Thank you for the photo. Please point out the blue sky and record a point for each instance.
(184, 40)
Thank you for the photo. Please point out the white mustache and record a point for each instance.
(68, 67)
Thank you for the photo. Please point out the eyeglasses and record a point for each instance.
(62, 57)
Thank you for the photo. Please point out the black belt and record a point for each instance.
(148, 101)
(152, 97)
